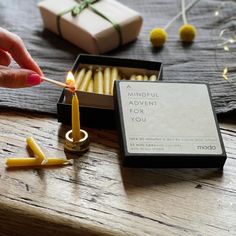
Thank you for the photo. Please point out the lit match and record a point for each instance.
(69, 81)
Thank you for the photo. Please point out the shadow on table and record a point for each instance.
(228, 117)
(141, 178)
(136, 178)
(58, 42)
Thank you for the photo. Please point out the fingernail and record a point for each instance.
(33, 79)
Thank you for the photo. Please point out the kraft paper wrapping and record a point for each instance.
(88, 30)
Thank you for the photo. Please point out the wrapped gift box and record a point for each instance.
(88, 29)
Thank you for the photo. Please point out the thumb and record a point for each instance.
(18, 78)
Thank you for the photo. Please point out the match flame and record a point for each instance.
(70, 79)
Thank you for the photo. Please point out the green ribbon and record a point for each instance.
(76, 10)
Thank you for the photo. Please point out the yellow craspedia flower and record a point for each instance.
(158, 37)
(187, 33)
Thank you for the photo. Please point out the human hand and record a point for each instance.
(11, 46)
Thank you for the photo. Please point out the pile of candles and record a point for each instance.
(39, 160)
(101, 81)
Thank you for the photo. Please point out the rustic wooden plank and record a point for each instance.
(97, 196)
(199, 62)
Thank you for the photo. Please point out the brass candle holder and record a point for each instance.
(79, 146)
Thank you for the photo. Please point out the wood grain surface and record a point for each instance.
(97, 196)
(199, 62)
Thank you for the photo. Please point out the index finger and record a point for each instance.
(14, 45)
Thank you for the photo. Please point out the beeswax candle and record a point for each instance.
(153, 78)
(114, 76)
(40, 156)
(98, 82)
(107, 75)
(21, 162)
(90, 86)
(84, 83)
(79, 78)
(132, 77)
(145, 78)
(75, 118)
(139, 77)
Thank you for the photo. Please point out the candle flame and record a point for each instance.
(70, 79)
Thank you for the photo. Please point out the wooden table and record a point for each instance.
(97, 196)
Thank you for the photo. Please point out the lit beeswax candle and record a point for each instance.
(90, 86)
(40, 156)
(75, 118)
(106, 84)
(145, 78)
(98, 82)
(153, 78)
(79, 77)
(21, 162)
(132, 77)
(114, 76)
(84, 83)
(139, 77)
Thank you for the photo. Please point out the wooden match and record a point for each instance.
(64, 85)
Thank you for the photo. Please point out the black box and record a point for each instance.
(167, 125)
(98, 110)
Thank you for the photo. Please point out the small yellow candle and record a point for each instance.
(84, 83)
(153, 78)
(132, 77)
(79, 77)
(98, 82)
(21, 162)
(75, 118)
(139, 77)
(106, 84)
(90, 86)
(114, 76)
(145, 78)
(40, 156)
